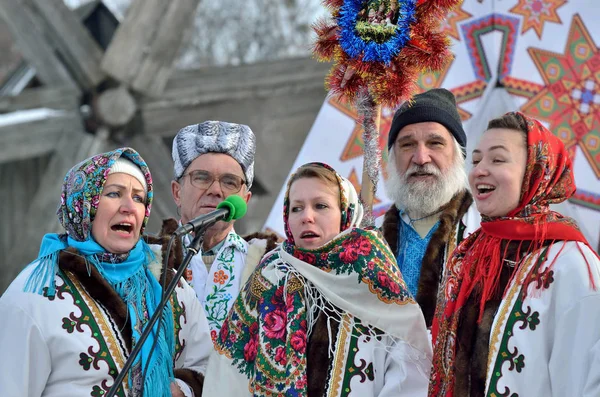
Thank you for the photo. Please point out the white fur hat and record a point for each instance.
(236, 140)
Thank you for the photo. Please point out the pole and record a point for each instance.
(370, 115)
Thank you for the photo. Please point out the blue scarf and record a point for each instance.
(140, 291)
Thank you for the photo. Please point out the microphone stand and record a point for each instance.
(192, 250)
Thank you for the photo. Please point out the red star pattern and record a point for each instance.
(353, 178)
(450, 24)
(537, 12)
(355, 146)
(570, 98)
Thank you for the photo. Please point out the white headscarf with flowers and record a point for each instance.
(262, 343)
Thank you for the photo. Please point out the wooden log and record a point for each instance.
(239, 82)
(19, 182)
(143, 49)
(35, 137)
(116, 107)
(53, 97)
(77, 47)
(30, 36)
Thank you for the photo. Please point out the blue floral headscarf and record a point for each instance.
(83, 185)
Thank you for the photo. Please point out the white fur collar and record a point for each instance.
(155, 266)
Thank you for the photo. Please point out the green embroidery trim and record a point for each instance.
(217, 301)
(528, 319)
(91, 358)
(365, 370)
(178, 313)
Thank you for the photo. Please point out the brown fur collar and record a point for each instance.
(193, 379)
(433, 260)
(170, 225)
(318, 362)
(99, 289)
(271, 238)
(473, 340)
(175, 256)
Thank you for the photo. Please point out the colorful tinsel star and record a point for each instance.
(382, 46)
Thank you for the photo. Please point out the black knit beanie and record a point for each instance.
(435, 105)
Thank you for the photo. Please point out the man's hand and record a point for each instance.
(176, 391)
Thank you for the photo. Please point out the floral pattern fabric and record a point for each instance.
(217, 289)
(265, 333)
(83, 185)
(360, 252)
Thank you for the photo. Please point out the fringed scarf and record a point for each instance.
(265, 335)
(126, 273)
(476, 264)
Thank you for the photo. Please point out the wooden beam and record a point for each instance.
(53, 97)
(72, 40)
(19, 182)
(188, 92)
(30, 36)
(238, 82)
(146, 43)
(35, 138)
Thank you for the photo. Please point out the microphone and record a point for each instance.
(233, 207)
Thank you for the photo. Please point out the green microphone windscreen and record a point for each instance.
(236, 205)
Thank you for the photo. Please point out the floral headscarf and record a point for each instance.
(352, 209)
(267, 330)
(83, 185)
(477, 262)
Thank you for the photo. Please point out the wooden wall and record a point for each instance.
(19, 181)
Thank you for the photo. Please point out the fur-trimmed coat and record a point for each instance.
(540, 333)
(453, 227)
(75, 343)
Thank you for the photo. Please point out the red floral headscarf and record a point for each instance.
(476, 264)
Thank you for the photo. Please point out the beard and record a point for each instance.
(419, 198)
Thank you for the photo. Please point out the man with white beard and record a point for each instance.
(428, 184)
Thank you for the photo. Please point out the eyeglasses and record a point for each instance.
(203, 180)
